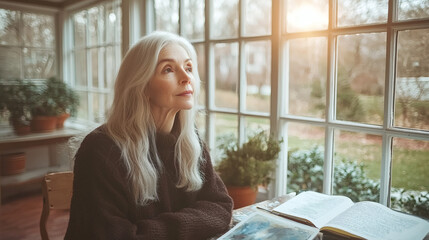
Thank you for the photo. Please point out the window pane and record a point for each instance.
(201, 124)
(112, 24)
(108, 99)
(305, 157)
(258, 76)
(307, 15)
(199, 48)
(226, 127)
(79, 21)
(118, 24)
(118, 56)
(100, 83)
(410, 167)
(80, 71)
(110, 69)
(98, 107)
(357, 165)
(307, 76)
(255, 124)
(412, 80)
(413, 9)
(38, 30)
(93, 29)
(38, 63)
(10, 62)
(355, 12)
(193, 19)
(257, 17)
(83, 105)
(94, 66)
(103, 17)
(167, 15)
(360, 77)
(226, 75)
(9, 22)
(224, 22)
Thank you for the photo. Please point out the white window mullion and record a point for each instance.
(181, 16)
(330, 109)
(241, 90)
(101, 53)
(210, 78)
(241, 76)
(21, 44)
(68, 52)
(91, 106)
(386, 160)
(386, 166)
(278, 98)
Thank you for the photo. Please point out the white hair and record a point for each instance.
(131, 125)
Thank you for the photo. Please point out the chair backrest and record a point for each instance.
(57, 189)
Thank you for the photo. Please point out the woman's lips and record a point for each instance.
(185, 93)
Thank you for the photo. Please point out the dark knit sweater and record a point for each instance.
(103, 205)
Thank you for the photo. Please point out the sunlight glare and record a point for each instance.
(307, 17)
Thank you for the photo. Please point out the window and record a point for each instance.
(348, 92)
(234, 56)
(356, 81)
(27, 45)
(94, 55)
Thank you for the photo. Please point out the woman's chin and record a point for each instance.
(186, 106)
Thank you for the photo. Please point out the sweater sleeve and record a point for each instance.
(209, 216)
(101, 205)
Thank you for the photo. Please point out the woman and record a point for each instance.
(145, 174)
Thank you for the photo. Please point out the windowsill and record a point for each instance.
(71, 128)
(8, 136)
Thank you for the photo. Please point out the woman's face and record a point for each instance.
(172, 86)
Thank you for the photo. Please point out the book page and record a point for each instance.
(260, 225)
(316, 207)
(374, 221)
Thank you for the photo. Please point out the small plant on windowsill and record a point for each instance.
(54, 103)
(16, 100)
(245, 167)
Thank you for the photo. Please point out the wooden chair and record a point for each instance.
(57, 189)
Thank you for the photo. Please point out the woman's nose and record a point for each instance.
(185, 77)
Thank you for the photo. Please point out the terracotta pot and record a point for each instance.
(242, 196)
(61, 119)
(43, 124)
(12, 163)
(21, 129)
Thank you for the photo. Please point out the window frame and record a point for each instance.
(23, 8)
(69, 52)
(134, 12)
(387, 130)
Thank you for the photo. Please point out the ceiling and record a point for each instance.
(49, 3)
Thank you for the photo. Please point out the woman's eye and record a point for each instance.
(168, 70)
(189, 69)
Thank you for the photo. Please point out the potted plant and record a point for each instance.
(54, 103)
(244, 168)
(16, 100)
(66, 99)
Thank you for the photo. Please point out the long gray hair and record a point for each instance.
(131, 125)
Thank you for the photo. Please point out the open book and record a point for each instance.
(340, 216)
(261, 225)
